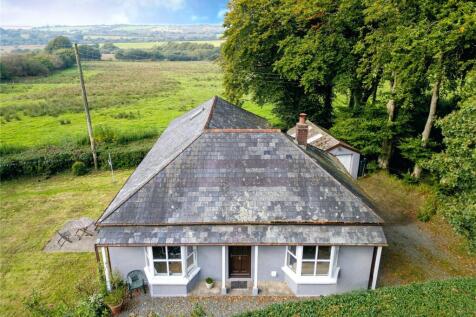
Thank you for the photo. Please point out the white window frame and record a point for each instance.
(297, 277)
(188, 273)
(317, 260)
(166, 261)
(193, 254)
(295, 256)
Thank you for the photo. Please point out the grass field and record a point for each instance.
(127, 96)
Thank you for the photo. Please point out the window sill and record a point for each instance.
(311, 279)
(170, 280)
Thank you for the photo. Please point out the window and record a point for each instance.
(167, 260)
(316, 260)
(312, 263)
(172, 260)
(291, 258)
(191, 259)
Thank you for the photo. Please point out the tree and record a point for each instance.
(455, 167)
(89, 52)
(449, 46)
(109, 48)
(57, 43)
(256, 38)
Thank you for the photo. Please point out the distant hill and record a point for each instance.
(92, 34)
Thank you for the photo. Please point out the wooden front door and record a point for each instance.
(239, 261)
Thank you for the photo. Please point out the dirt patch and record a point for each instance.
(417, 251)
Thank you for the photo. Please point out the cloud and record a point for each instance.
(221, 13)
(81, 12)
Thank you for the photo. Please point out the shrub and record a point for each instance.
(91, 306)
(53, 159)
(79, 168)
(198, 311)
(116, 296)
(209, 280)
(454, 297)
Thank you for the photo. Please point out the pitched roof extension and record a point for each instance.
(219, 164)
(321, 138)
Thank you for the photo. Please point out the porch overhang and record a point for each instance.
(356, 235)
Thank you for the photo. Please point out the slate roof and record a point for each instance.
(245, 235)
(321, 138)
(220, 172)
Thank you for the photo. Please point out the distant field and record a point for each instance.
(126, 96)
(9, 48)
(215, 43)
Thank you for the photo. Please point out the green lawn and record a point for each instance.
(31, 210)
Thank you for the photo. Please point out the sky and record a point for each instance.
(89, 12)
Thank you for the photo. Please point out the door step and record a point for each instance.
(239, 284)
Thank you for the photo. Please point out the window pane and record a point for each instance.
(322, 268)
(292, 263)
(309, 252)
(190, 262)
(160, 267)
(324, 253)
(158, 252)
(174, 252)
(292, 249)
(175, 268)
(307, 268)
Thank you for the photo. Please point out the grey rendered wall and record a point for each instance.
(355, 159)
(126, 259)
(168, 290)
(209, 261)
(354, 263)
(270, 259)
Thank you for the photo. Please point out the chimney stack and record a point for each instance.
(302, 130)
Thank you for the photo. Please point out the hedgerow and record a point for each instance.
(53, 159)
(453, 297)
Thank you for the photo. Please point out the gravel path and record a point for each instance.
(216, 306)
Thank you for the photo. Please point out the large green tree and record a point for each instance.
(455, 167)
(57, 43)
(445, 41)
(293, 54)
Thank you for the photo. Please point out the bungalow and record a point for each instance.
(223, 195)
(321, 138)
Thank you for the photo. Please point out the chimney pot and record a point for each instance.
(302, 130)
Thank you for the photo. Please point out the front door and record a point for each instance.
(239, 261)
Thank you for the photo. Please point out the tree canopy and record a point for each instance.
(58, 42)
(379, 73)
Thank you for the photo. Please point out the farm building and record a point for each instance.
(222, 195)
(321, 138)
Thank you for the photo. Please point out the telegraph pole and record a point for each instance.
(86, 107)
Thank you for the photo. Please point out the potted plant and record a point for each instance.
(209, 282)
(115, 299)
